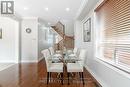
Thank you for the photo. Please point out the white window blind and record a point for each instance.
(113, 24)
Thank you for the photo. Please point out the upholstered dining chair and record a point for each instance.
(55, 56)
(45, 53)
(82, 56)
(77, 67)
(53, 68)
(75, 53)
(75, 50)
(52, 52)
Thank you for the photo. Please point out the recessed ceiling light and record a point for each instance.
(59, 18)
(67, 9)
(46, 9)
(49, 23)
(25, 8)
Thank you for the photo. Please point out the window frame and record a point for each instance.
(109, 62)
(114, 63)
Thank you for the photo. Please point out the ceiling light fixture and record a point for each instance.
(46, 9)
(25, 8)
(59, 18)
(49, 23)
(67, 9)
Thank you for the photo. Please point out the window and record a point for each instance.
(113, 31)
(49, 36)
(50, 39)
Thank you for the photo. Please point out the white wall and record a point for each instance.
(107, 75)
(42, 40)
(29, 40)
(9, 44)
(36, 41)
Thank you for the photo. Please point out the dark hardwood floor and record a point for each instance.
(34, 75)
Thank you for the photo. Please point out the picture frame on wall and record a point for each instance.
(87, 30)
(0, 33)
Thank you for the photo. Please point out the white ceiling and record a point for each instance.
(85, 8)
(56, 9)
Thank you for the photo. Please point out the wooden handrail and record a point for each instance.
(67, 41)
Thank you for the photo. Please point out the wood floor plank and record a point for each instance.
(34, 75)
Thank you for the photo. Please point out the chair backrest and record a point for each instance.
(75, 50)
(48, 63)
(82, 55)
(46, 53)
(51, 49)
(43, 51)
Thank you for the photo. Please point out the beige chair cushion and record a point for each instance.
(55, 67)
(74, 67)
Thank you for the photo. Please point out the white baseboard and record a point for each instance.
(7, 61)
(96, 77)
(29, 61)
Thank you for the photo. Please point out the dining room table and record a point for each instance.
(65, 58)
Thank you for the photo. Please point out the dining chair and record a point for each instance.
(75, 50)
(52, 52)
(75, 53)
(82, 56)
(77, 67)
(53, 68)
(51, 49)
(45, 53)
(55, 56)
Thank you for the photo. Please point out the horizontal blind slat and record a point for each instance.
(113, 19)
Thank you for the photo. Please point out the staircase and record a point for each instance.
(65, 41)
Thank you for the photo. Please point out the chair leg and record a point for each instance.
(50, 77)
(62, 78)
(80, 76)
(47, 77)
(83, 78)
(68, 78)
